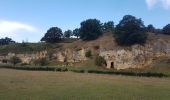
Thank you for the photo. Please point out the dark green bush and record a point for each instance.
(41, 62)
(100, 61)
(15, 60)
(88, 54)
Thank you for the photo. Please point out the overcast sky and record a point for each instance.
(30, 19)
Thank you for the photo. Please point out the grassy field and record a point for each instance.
(29, 85)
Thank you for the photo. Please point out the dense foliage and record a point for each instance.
(53, 35)
(6, 41)
(151, 28)
(130, 31)
(166, 29)
(88, 54)
(76, 32)
(108, 26)
(90, 29)
(15, 60)
(100, 61)
(67, 34)
(41, 62)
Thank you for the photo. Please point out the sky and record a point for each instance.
(28, 20)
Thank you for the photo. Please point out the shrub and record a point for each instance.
(41, 62)
(88, 54)
(96, 47)
(15, 60)
(100, 61)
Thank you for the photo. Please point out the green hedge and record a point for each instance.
(110, 72)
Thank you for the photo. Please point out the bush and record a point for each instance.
(41, 62)
(100, 61)
(88, 54)
(15, 60)
(130, 31)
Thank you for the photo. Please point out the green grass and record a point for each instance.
(160, 66)
(28, 85)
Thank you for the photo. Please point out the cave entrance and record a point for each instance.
(112, 65)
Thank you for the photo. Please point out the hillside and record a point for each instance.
(117, 57)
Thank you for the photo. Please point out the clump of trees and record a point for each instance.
(6, 41)
(166, 29)
(90, 29)
(76, 32)
(68, 33)
(53, 35)
(130, 31)
(108, 26)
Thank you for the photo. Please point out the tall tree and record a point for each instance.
(150, 28)
(90, 29)
(76, 32)
(68, 33)
(108, 26)
(53, 35)
(130, 31)
(166, 29)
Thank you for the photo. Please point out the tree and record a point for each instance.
(15, 60)
(166, 29)
(130, 31)
(150, 28)
(90, 29)
(76, 32)
(67, 33)
(6, 41)
(53, 35)
(108, 26)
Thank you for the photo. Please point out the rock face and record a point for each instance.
(25, 58)
(70, 55)
(136, 56)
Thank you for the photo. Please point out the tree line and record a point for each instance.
(129, 31)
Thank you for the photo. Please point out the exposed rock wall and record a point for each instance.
(136, 56)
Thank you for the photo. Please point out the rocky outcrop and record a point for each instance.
(136, 56)
(70, 55)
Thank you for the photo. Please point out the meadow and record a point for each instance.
(44, 85)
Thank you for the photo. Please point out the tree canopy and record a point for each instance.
(6, 41)
(166, 29)
(53, 35)
(76, 32)
(150, 28)
(108, 26)
(130, 31)
(90, 29)
(68, 33)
